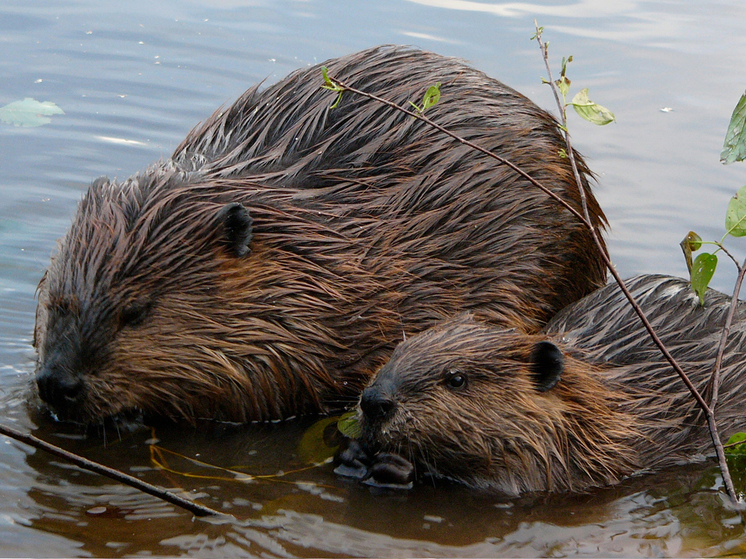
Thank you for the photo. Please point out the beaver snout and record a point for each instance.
(376, 404)
(60, 387)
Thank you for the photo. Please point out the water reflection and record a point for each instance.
(289, 508)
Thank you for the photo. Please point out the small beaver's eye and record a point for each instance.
(134, 314)
(455, 379)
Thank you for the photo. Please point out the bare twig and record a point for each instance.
(715, 379)
(708, 409)
(191, 506)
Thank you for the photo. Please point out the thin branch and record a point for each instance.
(583, 218)
(715, 379)
(733, 258)
(191, 506)
(466, 142)
(708, 410)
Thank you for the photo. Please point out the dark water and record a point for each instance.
(134, 77)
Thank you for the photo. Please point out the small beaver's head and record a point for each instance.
(497, 409)
(130, 315)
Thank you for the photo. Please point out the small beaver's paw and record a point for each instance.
(391, 470)
(354, 461)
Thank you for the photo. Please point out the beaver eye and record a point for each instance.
(135, 314)
(455, 379)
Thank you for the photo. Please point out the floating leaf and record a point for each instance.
(320, 441)
(349, 426)
(735, 215)
(691, 243)
(703, 268)
(29, 113)
(737, 449)
(590, 111)
(734, 146)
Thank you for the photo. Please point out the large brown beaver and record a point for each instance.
(585, 403)
(273, 263)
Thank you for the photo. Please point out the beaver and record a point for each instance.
(273, 262)
(585, 403)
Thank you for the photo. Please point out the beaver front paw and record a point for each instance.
(380, 470)
(354, 461)
(390, 470)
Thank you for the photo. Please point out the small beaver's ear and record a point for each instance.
(237, 228)
(547, 364)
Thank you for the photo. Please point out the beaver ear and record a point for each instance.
(547, 364)
(237, 228)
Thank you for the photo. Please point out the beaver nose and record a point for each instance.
(375, 404)
(58, 386)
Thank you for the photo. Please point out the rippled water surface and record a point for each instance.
(132, 79)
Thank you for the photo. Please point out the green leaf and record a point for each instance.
(331, 86)
(564, 85)
(29, 113)
(703, 268)
(691, 243)
(735, 215)
(738, 449)
(431, 97)
(590, 111)
(734, 146)
(349, 426)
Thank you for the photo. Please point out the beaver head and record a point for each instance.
(497, 409)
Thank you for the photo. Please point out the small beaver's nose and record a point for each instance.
(58, 386)
(375, 405)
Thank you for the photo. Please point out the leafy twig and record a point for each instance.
(708, 410)
(339, 86)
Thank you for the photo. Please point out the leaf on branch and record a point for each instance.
(29, 113)
(737, 449)
(564, 85)
(734, 147)
(735, 215)
(691, 243)
(703, 268)
(431, 98)
(331, 86)
(590, 111)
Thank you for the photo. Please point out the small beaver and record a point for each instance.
(585, 403)
(272, 264)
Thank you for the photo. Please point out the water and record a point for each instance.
(134, 77)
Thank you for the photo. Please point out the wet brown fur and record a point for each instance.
(618, 408)
(367, 226)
